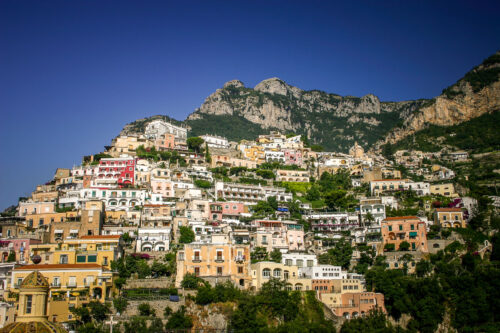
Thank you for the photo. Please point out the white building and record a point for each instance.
(299, 259)
(153, 239)
(274, 156)
(115, 199)
(332, 222)
(249, 193)
(214, 141)
(156, 128)
(323, 272)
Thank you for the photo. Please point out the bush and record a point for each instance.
(120, 304)
(202, 183)
(190, 281)
(146, 310)
(179, 320)
(167, 311)
(389, 247)
(404, 246)
(187, 235)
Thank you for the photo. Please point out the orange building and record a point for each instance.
(396, 230)
(353, 305)
(215, 263)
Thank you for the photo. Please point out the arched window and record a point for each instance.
(298, 286)
(277, 273)
(266, 272)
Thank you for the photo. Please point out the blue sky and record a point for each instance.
(73, 73)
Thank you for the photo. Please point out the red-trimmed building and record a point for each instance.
(113, 171)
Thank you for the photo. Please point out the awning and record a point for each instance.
(58, 231)
(73, 231)
(413, 234)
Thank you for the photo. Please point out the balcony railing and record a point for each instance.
(219, 259)
(197, 259)
(71, 285)
(55, 284)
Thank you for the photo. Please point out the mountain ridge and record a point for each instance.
(336, 121)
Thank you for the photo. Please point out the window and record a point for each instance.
(400, 227)
(240, 270)
(412, 227)
(92, 258)
(390, 228)
(105, 261)
(288, 262)
(219, 270)
(80, 259)
(310, 263)
(197, 271)
(300, 262)
(277, 273)
(63, 259)
(29, 303)
(444, 217)
(266, 273)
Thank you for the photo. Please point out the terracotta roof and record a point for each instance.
(56, 266)
(100, 237)
(449, 209)
(397, 218)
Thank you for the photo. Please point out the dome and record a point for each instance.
(34, 280)
(33, 327)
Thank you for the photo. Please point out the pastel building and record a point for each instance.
(215, 262)
(263, 271)
(396, 230)
(449, 217)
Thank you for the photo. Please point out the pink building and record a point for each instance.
(293, 156)
(116, 171)
(295, 237)
(233, 209)
(165, 141)
(163, 187)
(20, 246)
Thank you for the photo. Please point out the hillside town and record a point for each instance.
(157, 219)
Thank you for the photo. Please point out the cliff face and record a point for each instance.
(335, 121)
(472, 96)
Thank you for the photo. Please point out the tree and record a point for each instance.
(208, 157)
(376, 321)
(158, 269)
(11, 257)
(155, 326)
(273, 202)
(190, 281)
(389, 247)
(120, 304)
(313, 194)
(369, 218)
(187, 235)
(404, 246)
(205, 295)
(201, 183)
(136, 325)
(120, 282)
(146, 310)
(195, 143)
(276, 255)
(99, 311)
(258, 254)
(340, 255)
(179, 320)
(423, 267)
(167, 311)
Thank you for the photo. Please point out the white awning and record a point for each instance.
(73, 231)
(58, 231)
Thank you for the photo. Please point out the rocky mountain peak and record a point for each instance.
(234, 83)
(277, 86)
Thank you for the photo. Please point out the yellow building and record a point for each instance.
(263, 271)
(446, 190)
(99, 250)
(32, 307)
(41, 219)
(449, 217)
(255, 153)
(215, 263)
(68, 286)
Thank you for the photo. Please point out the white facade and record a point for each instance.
(274, 156)
(215, 141)
(116, 199)
(153, 239)
(323, 272)
(156, 128)
(299, 259)
(250, 193)
(332, 222)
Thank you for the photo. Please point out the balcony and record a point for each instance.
(219, 259)
(197, 259)
(55, 285)
(71, 285)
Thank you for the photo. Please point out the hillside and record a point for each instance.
(334, 121)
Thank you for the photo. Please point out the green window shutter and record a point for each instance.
(92, 258)
(80, 259)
